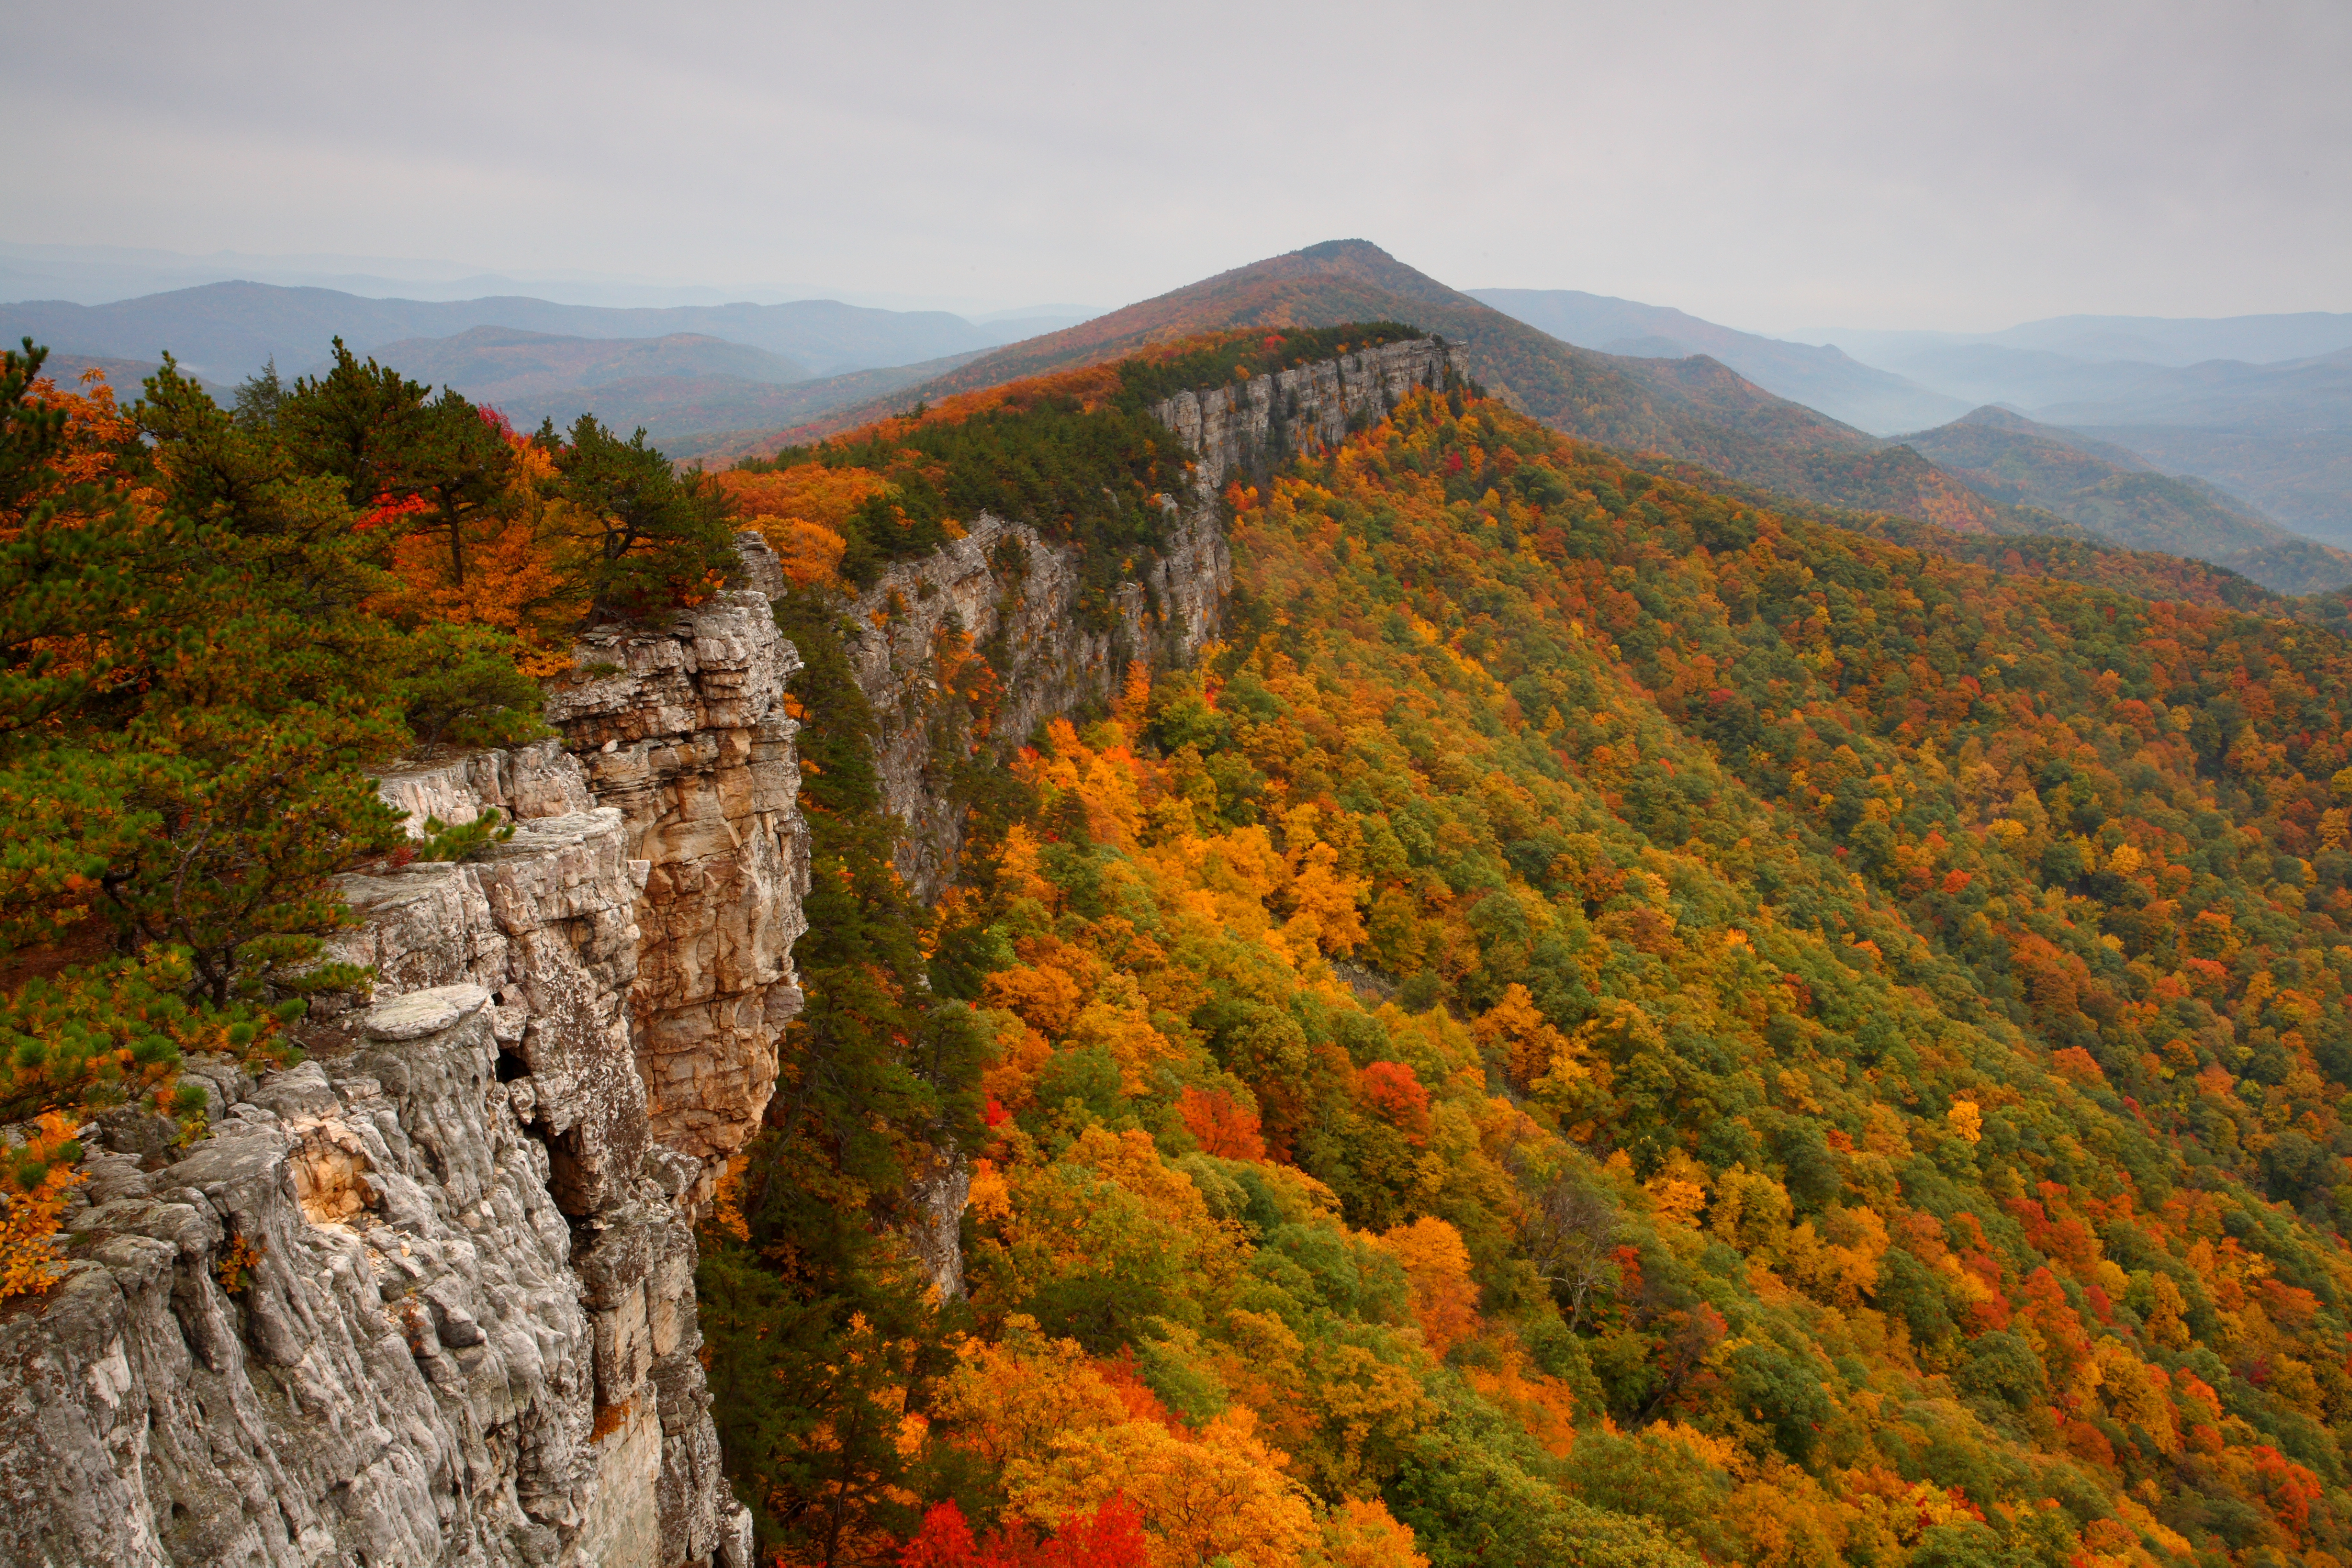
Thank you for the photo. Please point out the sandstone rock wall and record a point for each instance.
(687, 736)
(1007, 594)
(428, 1298)
(1273, 418)
(342, 1329)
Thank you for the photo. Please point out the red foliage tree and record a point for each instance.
(1112, 1537)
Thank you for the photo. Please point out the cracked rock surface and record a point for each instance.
(345, 1328)
(427, 1297)
(683, 733)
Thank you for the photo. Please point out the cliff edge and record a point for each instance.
(428, 1297)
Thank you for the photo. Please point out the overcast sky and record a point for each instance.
(1773, 167)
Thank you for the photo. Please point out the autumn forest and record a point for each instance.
(1612, 1018)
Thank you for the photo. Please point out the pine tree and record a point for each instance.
(650, 537)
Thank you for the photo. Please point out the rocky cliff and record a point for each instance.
(684, 731)
(1005, 605)
(1265, 421)
(1019, 603)
(428, 1298)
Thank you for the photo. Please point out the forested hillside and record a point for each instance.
(1693, 410)
(1606, 1025)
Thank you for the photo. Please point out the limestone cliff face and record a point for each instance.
(1273, 418)
(1005, 594)
(1004, 591)
(428, 1298)
(687, 738)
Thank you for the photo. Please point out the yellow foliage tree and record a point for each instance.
(1222, 1494)
(29, 1226)
(1322, 898)
(1837, 1262)
(1444, 1298)
(1364, 1534)
(1529, 1045)
(1010, 1398)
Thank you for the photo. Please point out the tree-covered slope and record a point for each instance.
(2011, 460)
(1606, 1025)
(1695, 410)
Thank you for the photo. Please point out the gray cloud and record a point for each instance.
(1955, 165)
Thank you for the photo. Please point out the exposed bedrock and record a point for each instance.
(354, 1326)
(428, 1297)
(1270, 419)
(1021, 602)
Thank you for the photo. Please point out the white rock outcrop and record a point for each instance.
(350, 1327)
(1270, 419)
(1008, 594)
(428, 1297)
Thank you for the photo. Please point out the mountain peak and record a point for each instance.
(1332, 250)
(1993, 416)
(1690, 409)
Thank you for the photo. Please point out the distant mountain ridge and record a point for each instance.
(488, 364)
(1696, 411)
(1820, 377)
(2012, 459)
(687, 413)
(228, 330)
(2314, 393)
(2148, 340)
(722, 380)
(2260, 404)
(2302, 477)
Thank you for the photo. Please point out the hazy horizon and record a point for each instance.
(1957, 168)
(442, 280)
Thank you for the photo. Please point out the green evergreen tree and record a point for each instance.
(653, 537)
(390, 442)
